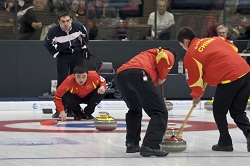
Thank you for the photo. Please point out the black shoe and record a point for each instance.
(77, 117)
(87, 116)
(70, 114)
(147, 152)
(248, 143)
(228, 148)
(132, 147)
(56, 115)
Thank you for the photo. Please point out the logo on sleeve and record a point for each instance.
(102, 79)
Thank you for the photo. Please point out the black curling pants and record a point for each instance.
(73, 101)
(233, 97)
(66, 63)
(138, 94)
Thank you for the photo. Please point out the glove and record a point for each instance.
(87, 55)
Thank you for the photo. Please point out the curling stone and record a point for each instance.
(104, 122)
(248, 105)
(209, 105)
(170, 132)
(173, 144)
(168, 104)
(170, 142)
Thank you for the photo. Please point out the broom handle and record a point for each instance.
(188, 115)
(162, 91)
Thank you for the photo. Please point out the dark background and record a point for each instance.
(27, 68)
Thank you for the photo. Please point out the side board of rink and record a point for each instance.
(243, 54)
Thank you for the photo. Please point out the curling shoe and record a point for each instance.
(56, 115)
(132, 147)
(77, 116)
(70, 113)
(218, 147)
(87, 116)
(147, 152)
(248, 143)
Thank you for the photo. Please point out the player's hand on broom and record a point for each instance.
(62, 116)
(87, 55)
(196, 101)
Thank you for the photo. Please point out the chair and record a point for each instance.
(166, 33)
(106, 70)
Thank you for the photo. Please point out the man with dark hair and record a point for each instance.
(82, 86)
(136, 80)
(66, 42)
(216, 61)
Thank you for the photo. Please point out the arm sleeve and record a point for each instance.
(28, 18)
(102, 82)
(48, 43)
(85, 38)
(61, 90)
(84, 31)
(172, 22)
(194, 76)
(163, 65)
(151, 22)
(151, 19)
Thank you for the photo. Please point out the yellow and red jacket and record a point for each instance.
(70, 85)
(157, 64)
(213, 60)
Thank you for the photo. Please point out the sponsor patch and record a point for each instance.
(102, 79)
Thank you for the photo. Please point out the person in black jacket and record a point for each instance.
(247, 51)
(36, 21)
(66, 41)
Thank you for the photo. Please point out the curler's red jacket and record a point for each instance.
(213, 60)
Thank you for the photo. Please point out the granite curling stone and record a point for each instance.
(105, 122)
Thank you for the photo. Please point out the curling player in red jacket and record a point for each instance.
(136, 81)
(82, 86)
(216, 61)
